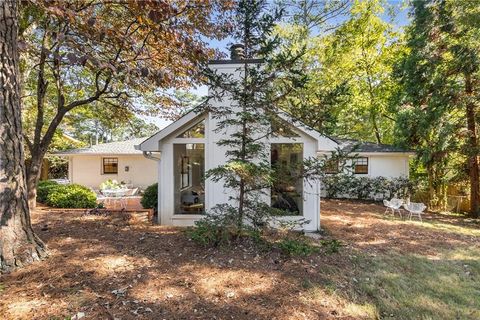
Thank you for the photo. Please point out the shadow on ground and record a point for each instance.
(117, 267)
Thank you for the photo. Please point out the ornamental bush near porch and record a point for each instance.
(150, 197)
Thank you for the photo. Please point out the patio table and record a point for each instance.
(113, 194)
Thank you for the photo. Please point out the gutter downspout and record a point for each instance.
(149, 155)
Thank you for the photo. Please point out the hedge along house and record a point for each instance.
(187, 148)
(110, 161)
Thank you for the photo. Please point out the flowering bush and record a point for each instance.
(366, 188)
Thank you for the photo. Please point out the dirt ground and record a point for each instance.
(121, 267)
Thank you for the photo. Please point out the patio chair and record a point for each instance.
(393, 205)
(415, 208)
(131, 192)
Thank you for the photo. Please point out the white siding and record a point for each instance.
(215, 193)
(388, 166)
(87, 170)
(313, 144)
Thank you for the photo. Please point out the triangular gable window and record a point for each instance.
(282, 128)
(197, 131)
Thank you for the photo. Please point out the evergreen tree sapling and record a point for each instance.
(264, 77)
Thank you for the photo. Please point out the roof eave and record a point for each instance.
(97, 154)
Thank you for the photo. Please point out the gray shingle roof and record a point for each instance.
(128, 147)
(358, 146)
(120, 147)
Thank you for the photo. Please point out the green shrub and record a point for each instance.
(366, 188)
(71, 196)
(216, 228)
(150, 197)
(333, 246)
(206, 233)
(296, 247)
(44, 188)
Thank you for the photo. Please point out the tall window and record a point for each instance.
(360, 165)
(287, 190)
(189, 171)
(110, 165)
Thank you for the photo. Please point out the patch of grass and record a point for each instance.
(296, 247)
(419, 287)
(329, 294)
(450, 228)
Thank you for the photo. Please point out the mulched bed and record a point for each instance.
(118, 266)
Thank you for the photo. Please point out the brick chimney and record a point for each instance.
(236, 52)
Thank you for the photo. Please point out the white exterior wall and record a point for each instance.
(87, 170)
(215, 193)
(388, 166)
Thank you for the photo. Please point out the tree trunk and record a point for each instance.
(473, 149)
(33, 176)
(18, 243)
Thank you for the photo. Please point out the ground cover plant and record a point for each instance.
(113, 266)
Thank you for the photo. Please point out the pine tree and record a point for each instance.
(439, 98)
(19, 245)
(249, 119)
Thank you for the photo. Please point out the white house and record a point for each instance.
(187, 148)
(115, 160)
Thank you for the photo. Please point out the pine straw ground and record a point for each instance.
(120, 267)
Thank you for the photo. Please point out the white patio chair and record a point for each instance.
(415, 208)
(393, 206)
(132, 192)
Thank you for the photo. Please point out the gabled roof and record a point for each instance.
(126, 147)
(151, 143)
(323, 141)
(327, 142)
(351, 145)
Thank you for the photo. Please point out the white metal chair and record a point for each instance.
(415, 208)
(393, 206)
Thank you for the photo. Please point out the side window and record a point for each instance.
(110, 165)
(331, 166)
(361, 165)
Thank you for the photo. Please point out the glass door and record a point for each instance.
(189, 172)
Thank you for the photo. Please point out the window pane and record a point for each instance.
(197, 131)
(331, 166)
(110, 165)
(287, 189)
(189, 171)
(361, 165)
